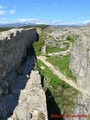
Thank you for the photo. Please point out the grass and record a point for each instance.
(5, 29)
(63, 94)
(42, 26)
(63, 64)
(39, 44)
(55, 49)
(70, 38)
(88, 117)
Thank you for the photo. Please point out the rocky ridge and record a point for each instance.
(79, 52)
(80, 65)
(32, 101)
(19, 87)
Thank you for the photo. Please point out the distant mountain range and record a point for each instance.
(30, 24)
(34, 22)
(16, 25)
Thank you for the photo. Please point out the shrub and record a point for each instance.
(39, 44)
(70, 38)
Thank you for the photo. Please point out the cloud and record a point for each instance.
(43, 21)
(33, 21)
(86, 22)
(2, 12)
(51, 22)
(3, 20)
(11, 12)
(22, 20)
(2, 7)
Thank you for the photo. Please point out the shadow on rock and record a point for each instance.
(9, 101)
(52, 107)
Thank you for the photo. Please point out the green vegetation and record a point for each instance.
(63, 94)
(70, 38)
(55, 49)
(63, 64)
(88, 117)
(42, 26)
(39, 44)
(4, 29)
(49, 37)
(48, 30)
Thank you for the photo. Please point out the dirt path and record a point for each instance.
(60, 75)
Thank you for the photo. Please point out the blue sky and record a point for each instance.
(61, 11)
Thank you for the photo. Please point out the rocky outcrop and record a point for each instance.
(80, 61)
(43, 50)
(80, 65)
(82, 107)
(32, 101)
(19, 91)
(13, 45)
(60, 53)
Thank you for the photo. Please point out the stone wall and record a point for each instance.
(32, 101)
(27, 92)
(13, 44)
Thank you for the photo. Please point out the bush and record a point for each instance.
(70, 38)
(39, 44)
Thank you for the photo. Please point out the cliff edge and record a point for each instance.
(32, 101)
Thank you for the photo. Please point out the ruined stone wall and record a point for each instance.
(13, 44)
(24, 91)
(32, 101)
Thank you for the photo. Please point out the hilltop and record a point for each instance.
(46, 66)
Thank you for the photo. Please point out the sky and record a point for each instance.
(45, 11)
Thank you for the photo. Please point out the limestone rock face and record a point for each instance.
(82, 107)
(80, 65)
(43, 51)
(13, 45)
(80, 61)
(32, 101)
